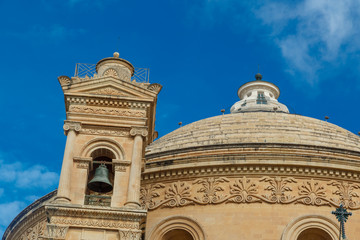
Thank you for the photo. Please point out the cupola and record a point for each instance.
(258, 96)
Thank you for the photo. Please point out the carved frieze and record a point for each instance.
(110, 91)
(123, 132)
(270, 190)
(85, 222)
(107, 111)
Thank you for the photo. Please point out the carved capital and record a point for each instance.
(142, 131)
(69, 125)
(82, 163)
(121, 166)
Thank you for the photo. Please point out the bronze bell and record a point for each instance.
(100, 182)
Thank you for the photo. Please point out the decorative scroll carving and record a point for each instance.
(64, 80)
(107, 111)
(346, 193)
(69, 125)
(155, 87)
(272, 190)
(34, 232)
(139, 131)
(278, 187)
(244, 190)
(148, 193)
(107, 132)
(210, 188)
(178, 194)
(312, 193)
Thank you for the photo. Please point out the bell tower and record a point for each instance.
(110, 118)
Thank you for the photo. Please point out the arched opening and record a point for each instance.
(314, 234)
(101, 178)
(312, 227)
(177, 234)
(177, 228)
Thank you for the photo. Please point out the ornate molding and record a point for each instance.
(119, 132)
(142, 131)
(99, 101)
(121, 166)
(270, 190)
(93, 213)
(107, 111)
(82, 163)
(110, 91)
(86, 222)
(162, 174)
(69, 125)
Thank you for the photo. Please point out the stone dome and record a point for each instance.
(256, 128)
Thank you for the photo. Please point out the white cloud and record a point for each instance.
(313, 33)
(36, 176)
(8, 213)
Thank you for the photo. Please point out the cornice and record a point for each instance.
(161, 174)
(95, 213)
(149, 156)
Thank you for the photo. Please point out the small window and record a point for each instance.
(249, 94)
(261, 98)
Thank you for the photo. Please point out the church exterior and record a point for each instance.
(256, 173)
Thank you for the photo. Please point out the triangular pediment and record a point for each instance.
(111, 87)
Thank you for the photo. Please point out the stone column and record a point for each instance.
(118, 198)
(63, 194)
(133, 196)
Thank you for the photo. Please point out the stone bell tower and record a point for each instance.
(110, 119)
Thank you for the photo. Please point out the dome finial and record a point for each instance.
(116, 54)
(258, 76)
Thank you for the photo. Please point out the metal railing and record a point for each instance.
(87, 69)
(96, 200)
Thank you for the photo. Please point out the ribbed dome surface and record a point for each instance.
(257, 127)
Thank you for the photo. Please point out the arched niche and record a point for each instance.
(176, 228)
(314, 227)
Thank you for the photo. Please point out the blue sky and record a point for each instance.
(201, 51)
